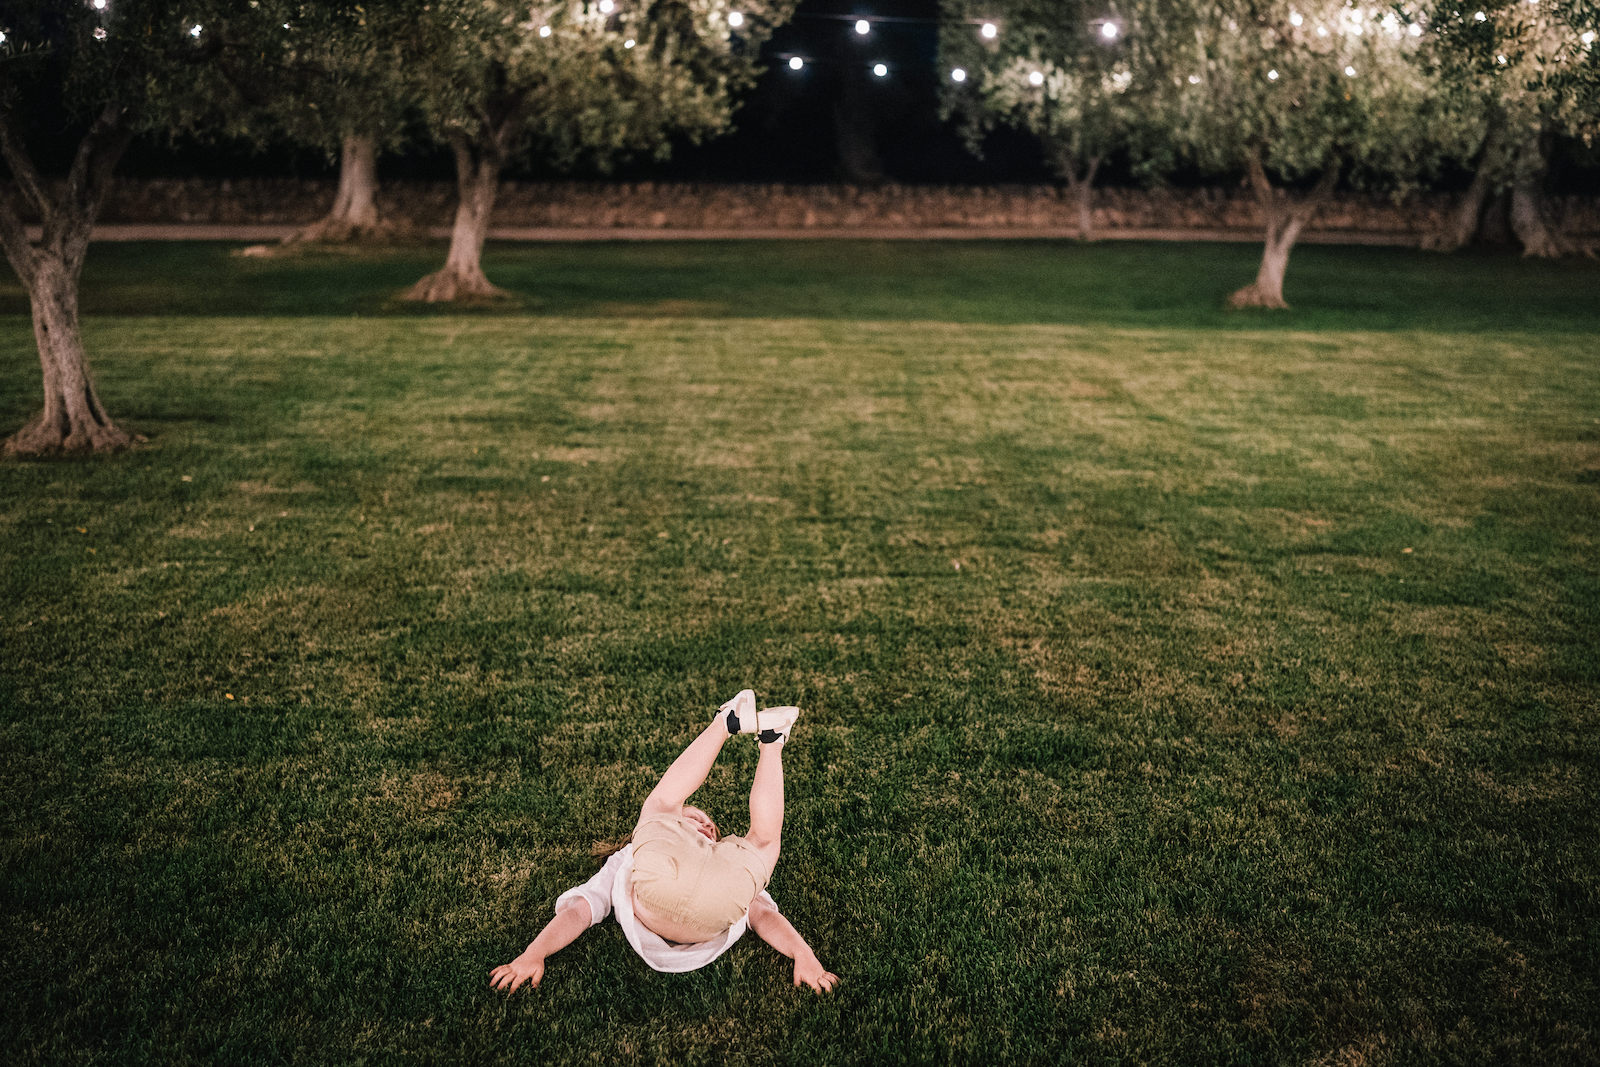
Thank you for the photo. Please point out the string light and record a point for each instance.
(544, 31)
(1194, 79)
(958, 75)
(1036, 78)
(796, 63)
(990, 31)
(629, 43)
(1109, 31)
(1414, 30)
(1272, 76)
(2, 36)
(194, 31)
(1295, 18)
(607, 6)
(1322, 31)
(1349, 72)
(99, 33)
(1480, 17)
(1588, 37)
(880, 69)
(735, 19)
(1500, 60)
(98, 5)
(863, 27)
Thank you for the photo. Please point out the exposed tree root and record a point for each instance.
(1256, 296)
(451, 286)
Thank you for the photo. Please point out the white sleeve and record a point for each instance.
(597, 890)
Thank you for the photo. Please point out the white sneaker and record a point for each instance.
(773, 724)
(739, 714)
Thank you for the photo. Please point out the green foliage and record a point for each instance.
(1308, 86)
(1055, 70)
(1530, 69)
(582, 85)
(197, 67)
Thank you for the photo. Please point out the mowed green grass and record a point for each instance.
(1178, 686)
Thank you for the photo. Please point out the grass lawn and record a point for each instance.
(1180, 686)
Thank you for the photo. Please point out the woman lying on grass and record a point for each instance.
(683, 893)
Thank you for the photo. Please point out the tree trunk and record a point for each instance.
(354, 216)
(1461, 224)
(1285, 219)
(1528, 220)
(477, 181)
(73, 419)
(1083, 192)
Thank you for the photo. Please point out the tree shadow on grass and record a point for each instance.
(1128, 284)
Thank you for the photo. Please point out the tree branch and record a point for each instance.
(14, 241)
(23, 171)
(89, 168)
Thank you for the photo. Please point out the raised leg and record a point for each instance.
(688, 772)
(766, 803)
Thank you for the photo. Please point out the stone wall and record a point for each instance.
(650, 205)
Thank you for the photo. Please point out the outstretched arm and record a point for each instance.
(571, 919)
(770, 925)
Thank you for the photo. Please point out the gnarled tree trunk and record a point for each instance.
(1082, 189)
(1461, 225)
(354, 215)
(73, 419)
(1285, 218)
(1529, 222)
(477, 181)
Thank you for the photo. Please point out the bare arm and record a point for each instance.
(571, 919)
(770, 925)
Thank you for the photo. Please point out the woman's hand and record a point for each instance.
(510, 976)
(808, 971)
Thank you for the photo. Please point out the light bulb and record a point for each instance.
(880, 69)
(1349, 72)
(544, 31)
(1194, 79)
(99, 5)
(1295, 18)
(795, 62)
(629, 43)
(990, 31)
(607, 6)
(1036, 78)
(194, 31)
(735, 19)
(1109, 31)
(863, 27)
(958, 75)
(1272, 75)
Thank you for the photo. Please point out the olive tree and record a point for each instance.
(347, 87)
(1529, 72)
(1077, 74)
(119, 69)
(574, 83)
(1300, 96)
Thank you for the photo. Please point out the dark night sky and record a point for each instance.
(832, 121)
